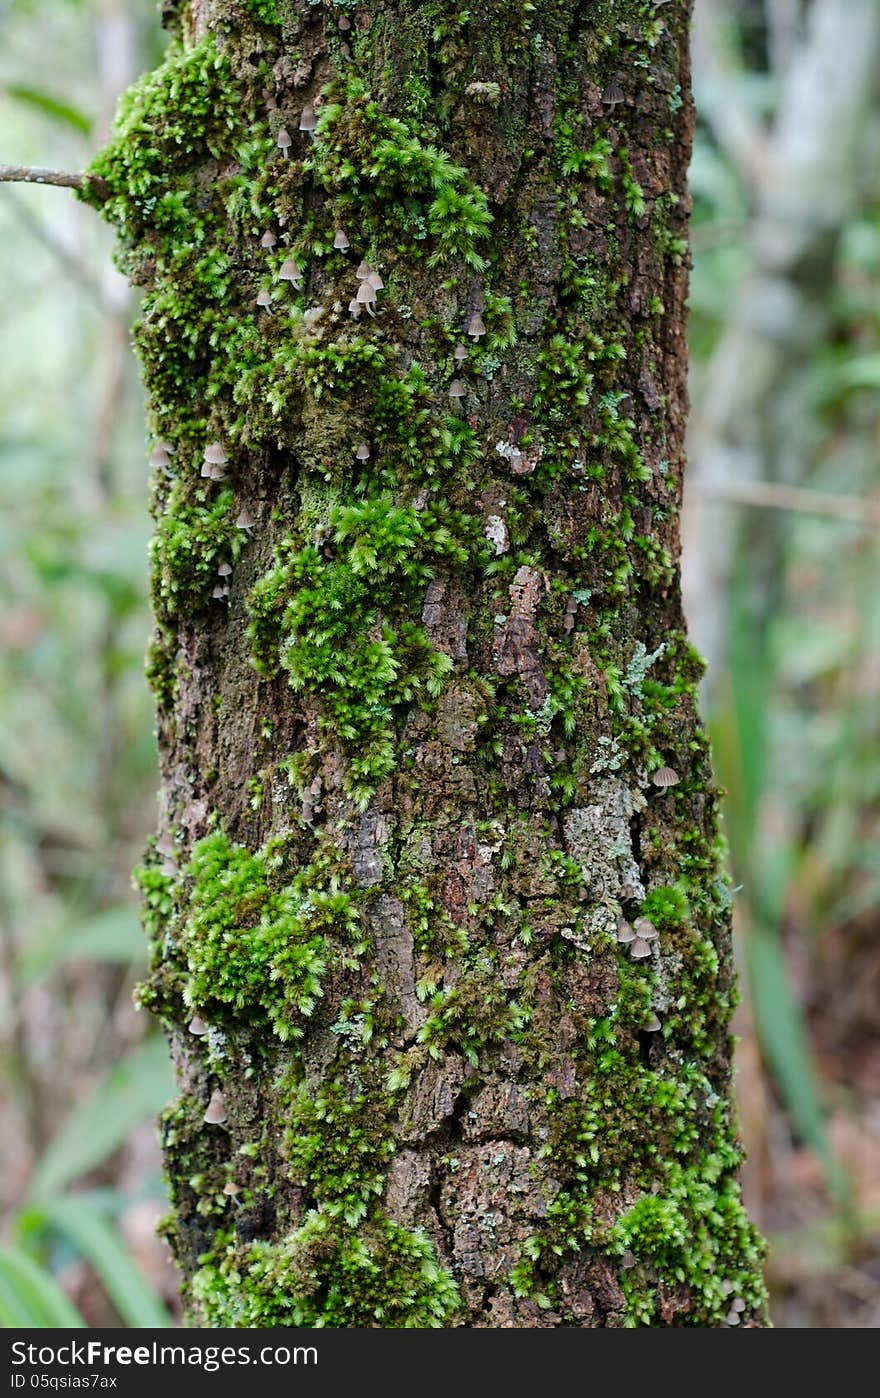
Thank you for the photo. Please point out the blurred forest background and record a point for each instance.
(781, 533)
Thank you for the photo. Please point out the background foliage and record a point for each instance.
(784, 475)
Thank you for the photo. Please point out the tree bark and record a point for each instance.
(441, 934)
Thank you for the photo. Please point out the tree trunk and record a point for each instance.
(426, 705)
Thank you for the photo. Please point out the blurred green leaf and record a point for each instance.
(50, 106)
(862, 371)
(784, 1041)
(111, 935)
(30, 1296)
(130, 1093)
(86, 1227)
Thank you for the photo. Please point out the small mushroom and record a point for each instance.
(225, 570)
(645, 929)
(340, 240)
(165, 845)
(290, 272)
(366, 295)
(726, 1287)
(215, 453)
(475, 326)
(220, 592)
(245, 520)
(264, 298)
(198, 1026)
(362, 451)
(344, 23)
(308, 119)
(628, 1260)
(613, 94)
(231, 1189)
(363, 271)
(160, 456)
(216, 1113)
(625, 933)
(457, 389)
(739, 1305)
(213, 471)
(732, 1317)
(284, 140)
(268, 240)
(652, 1025)
(460, 353)
(640, 949)
(375, 281)
(355, 308)
(665, 777)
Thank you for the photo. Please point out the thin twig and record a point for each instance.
(775, 496)
(66, 179)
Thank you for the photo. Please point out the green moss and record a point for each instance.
(193, 537)
(324, 1275)
(252, 946)
(325, 623)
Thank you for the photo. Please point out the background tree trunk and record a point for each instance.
(426, 705)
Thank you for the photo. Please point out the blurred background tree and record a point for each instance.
(781, 559)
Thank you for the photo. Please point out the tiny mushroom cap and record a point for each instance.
(366, 295)
(645, 929)
(284, 140)
(245, 520)
(264, 297)
(290, 272)
(375, 281)
(340, 240)
(363, 271)
(231, 1189)
(225, 570)
(732, 1317)
(213, 472)
(460, 353)
(652, 1025)
(308, 120)
(344, 22)
(362, 452)
(739, 1305)
(198, 1026)
(220, 592)
(457, 389)
(640, 949)
(666, 776)
(613, 94)
(628, 1259)
(268, 240)
(165, 845)
(726, 1287)
(216, 1113)
(159, 455)
(215, 453)
(475, 326)
(625, 932)
(355, 307)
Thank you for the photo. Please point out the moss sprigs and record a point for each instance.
(327, 624)
(251, 945)
(325, 1275)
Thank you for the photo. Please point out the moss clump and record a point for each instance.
(193, 537)
(325, 1276)
(325, 622)
(251, 945)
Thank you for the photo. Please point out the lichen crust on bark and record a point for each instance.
(439, 920)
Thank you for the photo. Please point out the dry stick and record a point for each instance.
(776, 496)
(34, 174)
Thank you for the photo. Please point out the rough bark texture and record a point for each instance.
(426, 705)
